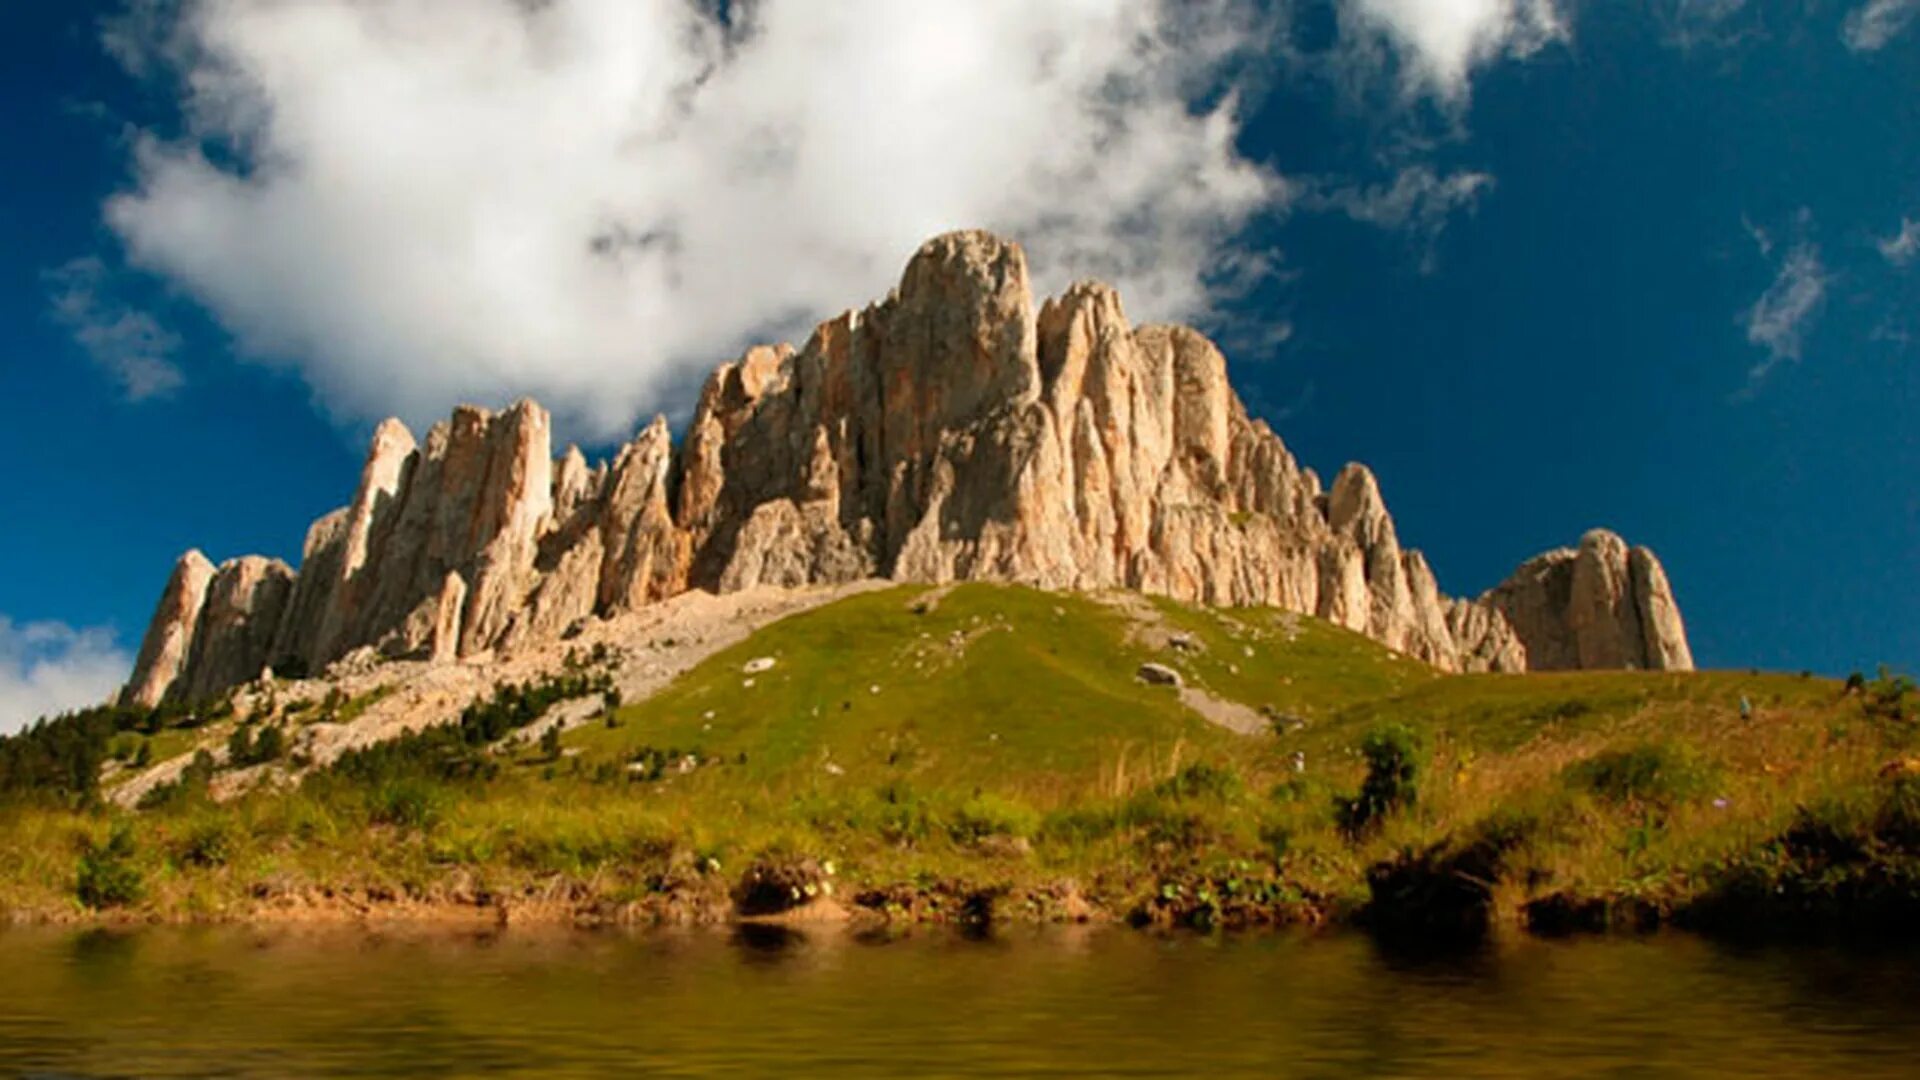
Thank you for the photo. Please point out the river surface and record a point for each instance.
(227, 1002)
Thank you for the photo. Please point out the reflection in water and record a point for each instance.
(767, 942)
(101, 948)
(824, 1002)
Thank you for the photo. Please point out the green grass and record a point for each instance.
(1039, 697)
(1010, 746)
(1291, 664)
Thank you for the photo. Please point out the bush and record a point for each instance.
(1203, 781)
(458, 751)
(988, 815)
(1395, 756)
(107, 876)
(269, 745)
(407, 803)
(189, 787)
(207, 843)
(240, 747)
(1649, 773)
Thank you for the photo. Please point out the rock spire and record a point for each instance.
(948, 432)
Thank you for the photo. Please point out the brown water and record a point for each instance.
(1116, 1003)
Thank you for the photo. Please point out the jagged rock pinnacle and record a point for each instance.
(945, 433)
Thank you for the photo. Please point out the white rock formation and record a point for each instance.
(948, 432)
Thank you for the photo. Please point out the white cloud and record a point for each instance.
(49, 667)
(593, 201)
(129, 344)
(1903, 246)
(1442, 42)
(1870, 26)
(1418, 201)
(1779, 321)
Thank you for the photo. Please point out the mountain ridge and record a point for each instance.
(948, 432)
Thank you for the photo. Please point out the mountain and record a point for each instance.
(947, 433)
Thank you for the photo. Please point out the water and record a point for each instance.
(1107, 1002)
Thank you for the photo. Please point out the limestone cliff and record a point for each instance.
(948, 432)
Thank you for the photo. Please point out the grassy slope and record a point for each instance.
(1010, 743)
(1022, 691)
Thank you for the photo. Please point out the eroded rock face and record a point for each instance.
(238, 620)
(169, 641)
(948, 432)
(1602, 605)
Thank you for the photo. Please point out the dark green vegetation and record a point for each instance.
(59, 761)
(989, 752)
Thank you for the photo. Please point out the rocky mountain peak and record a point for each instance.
(948, 432)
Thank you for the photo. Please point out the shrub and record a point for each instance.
(269, 745)
(1277, 838)
(1165, 822)
(1203, 781)
(406, 802)
(107, 876)
(190, 786)
(1395, 756)
(1081, 825)
(550, 743)
(207, 843)
(989, 815)
(1648, 773)
(457, 751)
(903, 817)
(240, 747)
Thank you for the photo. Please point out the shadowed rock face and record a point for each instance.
(949, 432)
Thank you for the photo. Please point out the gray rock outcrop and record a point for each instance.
(949, 432)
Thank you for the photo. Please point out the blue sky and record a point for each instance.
(1543, 264)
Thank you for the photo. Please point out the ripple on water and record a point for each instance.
(173, 1002)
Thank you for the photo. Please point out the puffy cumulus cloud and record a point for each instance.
(1440, 43)
(1870, 26)
(127, 343)
(1780, 319)
(49, 667)
(593, 201)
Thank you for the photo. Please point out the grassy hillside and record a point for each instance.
(945, 753)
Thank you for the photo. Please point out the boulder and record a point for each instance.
(1160, 675)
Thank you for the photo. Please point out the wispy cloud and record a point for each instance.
(1903, 246)
(50, 667)
(1691, 24)
(1870, 26)
(127, 343)
(1417, 201)
(1780, 320)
